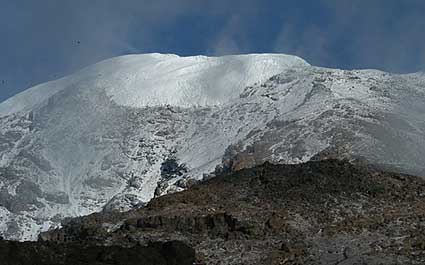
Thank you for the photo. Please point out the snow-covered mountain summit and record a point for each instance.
(161, 79)
(114, 134)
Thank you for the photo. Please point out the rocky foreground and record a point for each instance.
(324, 212)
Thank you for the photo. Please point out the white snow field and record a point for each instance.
(160, 79)
(103, 138)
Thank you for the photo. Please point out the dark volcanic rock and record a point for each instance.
(320, 212)
(30, 253)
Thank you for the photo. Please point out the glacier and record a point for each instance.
(98, 139)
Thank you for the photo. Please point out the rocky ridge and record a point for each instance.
(320, 212)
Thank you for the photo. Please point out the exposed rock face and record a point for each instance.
(322, 212)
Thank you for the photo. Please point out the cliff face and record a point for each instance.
(323, 212)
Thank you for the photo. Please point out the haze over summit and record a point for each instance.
(45, 40)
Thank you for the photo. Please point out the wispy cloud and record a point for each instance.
(361, 34)
(310, 43)
(41, 40)
(227, 40)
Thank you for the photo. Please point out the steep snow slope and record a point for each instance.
(113, 134)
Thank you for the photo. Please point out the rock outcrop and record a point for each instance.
(320, 212)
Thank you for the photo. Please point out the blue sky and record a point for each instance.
(46, 39)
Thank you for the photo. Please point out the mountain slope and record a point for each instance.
(322, 212)
(115, 134)
(68, 146)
